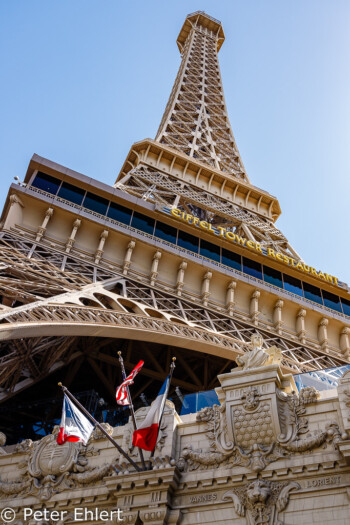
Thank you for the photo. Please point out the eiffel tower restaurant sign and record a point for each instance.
(224, 233)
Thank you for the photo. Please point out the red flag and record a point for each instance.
(146, 435)
(121, 394)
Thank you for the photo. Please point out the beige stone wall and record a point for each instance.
(290, 465)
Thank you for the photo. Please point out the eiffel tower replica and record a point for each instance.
(181, 257)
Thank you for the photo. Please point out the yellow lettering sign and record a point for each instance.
(175, 212)
(230, 235)
(220, 231)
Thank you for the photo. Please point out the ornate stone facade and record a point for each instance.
(265, 455)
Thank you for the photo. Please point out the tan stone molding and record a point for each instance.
(127, 258)
(42, 228)
(230, 297)
(300, 325)
(154, 516)
(71, 240)
(130, 518)
(206, 288)
(277, 316)
(323, 333)
(254, 307)
(180, 277)
(14, 199)
(154, 268)
(345, 341)
(100, 249)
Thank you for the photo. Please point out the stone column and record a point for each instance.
(71, 240)
(254, 307)
(127, 258)
(300, 325)
(42, 228)
(99, 251)
(180, 277)
(345, 341)
(205, 287)
(230, 297)
(277, 316)
(323, 333)
(154, 268)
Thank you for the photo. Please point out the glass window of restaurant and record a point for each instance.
(231, 259)
(292, 285)
(142, 222)
(165, 232)
(346, 306)
(273, 276)
(119, 213)
(210, 250)
(312, 293)
(71, 193)
(47, 183)
(252, 268)
(331, 301)
(95, 203)
(188, 241)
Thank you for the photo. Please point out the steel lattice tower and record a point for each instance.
(195, 120)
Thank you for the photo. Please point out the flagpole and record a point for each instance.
(89, 416)
(172, 366)
(131, 407)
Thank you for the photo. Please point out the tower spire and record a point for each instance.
(193, 164)
(195, 120)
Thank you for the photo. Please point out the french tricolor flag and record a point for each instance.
(74, 425)
(146, 435)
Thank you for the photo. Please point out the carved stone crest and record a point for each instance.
(52, 468)
(256, 424)
(251, 398)
(49, 459)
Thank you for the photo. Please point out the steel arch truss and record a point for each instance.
(30, 358)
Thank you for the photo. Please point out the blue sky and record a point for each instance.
(82, 80)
